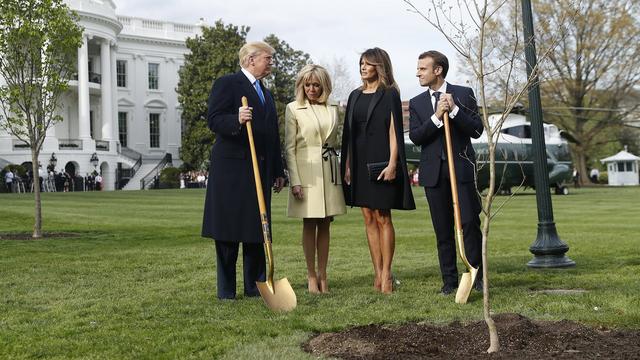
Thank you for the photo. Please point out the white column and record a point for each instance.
(105, 86)
(83, 91)
(114, 93)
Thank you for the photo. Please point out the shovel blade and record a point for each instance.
(465, 286)
(279, 298)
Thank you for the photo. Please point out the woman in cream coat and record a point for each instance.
(311, 137)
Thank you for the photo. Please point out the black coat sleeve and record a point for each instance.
(421, 130)
(222, 114)
(468, 119)
(402, 174)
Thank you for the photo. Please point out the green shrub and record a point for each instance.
(170, 178)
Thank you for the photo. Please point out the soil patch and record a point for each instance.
(520, 338)
(28, 236)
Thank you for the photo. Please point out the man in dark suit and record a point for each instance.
(231, 214)
(427, 131)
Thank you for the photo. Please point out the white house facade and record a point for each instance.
(122, 108)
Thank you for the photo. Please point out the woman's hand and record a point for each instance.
(297, 192)
(388, 174)
(347, 175)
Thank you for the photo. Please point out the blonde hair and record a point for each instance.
(253, 48)
(305, 75)
(380, 59)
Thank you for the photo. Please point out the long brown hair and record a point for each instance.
(380, 59)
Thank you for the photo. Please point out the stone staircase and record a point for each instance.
(145, 168)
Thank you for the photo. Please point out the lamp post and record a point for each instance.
(53, 161)
(548, 250)
(94, 160)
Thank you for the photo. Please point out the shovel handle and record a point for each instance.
(266, 234)
(454, 192)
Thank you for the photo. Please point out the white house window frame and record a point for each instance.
(154, 131)
(121, 76)
(153, 79)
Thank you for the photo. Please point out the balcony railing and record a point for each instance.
(102, 145)
(93, 77)
(69, 144)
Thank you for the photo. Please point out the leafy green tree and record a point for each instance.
(282, 82)
(588, 86)
(212, 55)
(39, 42)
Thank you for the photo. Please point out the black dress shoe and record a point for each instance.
(477, 286)
(447, 289)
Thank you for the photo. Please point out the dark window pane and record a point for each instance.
(122, 128)
(154, 130)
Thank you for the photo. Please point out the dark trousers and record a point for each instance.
(253, 268)
(441, 208)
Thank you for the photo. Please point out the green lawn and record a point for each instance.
(140, 282)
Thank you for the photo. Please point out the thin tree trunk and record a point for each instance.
(37, 226)
(494, 342)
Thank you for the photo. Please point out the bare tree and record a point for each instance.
(469, 26)
(588, 84)
(38, 47)
(341, 80)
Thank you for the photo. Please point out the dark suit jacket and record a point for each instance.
(384, 102)
(231, 207)
(425, 133)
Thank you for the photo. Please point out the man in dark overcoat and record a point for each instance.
(427, 130)
(231, 214)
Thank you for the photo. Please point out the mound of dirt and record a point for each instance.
(520, 338)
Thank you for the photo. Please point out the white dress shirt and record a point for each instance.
(452, 114)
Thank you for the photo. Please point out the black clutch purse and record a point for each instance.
(374, 169)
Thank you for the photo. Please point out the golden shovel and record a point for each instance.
(278, 295)
(466, 282)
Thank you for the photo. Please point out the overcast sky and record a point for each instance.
(325, 30)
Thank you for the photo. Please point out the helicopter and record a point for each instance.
(514, 156)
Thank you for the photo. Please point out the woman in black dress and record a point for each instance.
(373, 138)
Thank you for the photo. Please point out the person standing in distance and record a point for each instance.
(427, 130)
(231, 214)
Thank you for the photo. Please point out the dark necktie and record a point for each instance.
(436, 94)
(443, 153)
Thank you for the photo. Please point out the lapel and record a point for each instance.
(424, 101)
(308, 111)
(376, 99)
(333, 116)
(357, 94)
(450, 90)
(250, 91)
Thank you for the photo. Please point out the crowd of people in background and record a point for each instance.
(194, 179)
(51, 181)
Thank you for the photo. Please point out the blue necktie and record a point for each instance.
(259, 91)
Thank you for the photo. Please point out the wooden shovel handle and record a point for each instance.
(452, 173)
(266, 234)
(453, 180)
